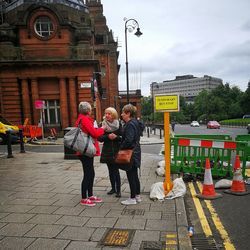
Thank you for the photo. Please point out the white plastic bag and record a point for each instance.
(179, 189)
(157, 191)
(161, 164)
(223, 183)
(160, 171)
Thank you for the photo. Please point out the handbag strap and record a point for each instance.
(75, 137)
(87, 144)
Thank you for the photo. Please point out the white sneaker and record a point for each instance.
(129, 201)
(138, 198)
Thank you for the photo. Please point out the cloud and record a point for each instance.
(182, 37)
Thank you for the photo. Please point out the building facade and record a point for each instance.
(134, 98)
(61, 52)
(187, 86)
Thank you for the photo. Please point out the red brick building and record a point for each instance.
(51, 51)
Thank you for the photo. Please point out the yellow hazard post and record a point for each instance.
(166, 104)
(168, 185)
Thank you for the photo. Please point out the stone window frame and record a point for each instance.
(43, 13)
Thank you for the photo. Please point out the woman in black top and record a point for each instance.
(111, 142)
(131, 140)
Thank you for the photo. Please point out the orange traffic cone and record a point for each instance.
(238, 186)
(208, 191)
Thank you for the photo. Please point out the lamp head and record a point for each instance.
(138, 33)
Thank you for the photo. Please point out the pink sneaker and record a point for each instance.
(87, 202)
(95, 199)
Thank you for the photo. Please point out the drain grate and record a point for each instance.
(152, 245)
(133, 212)
(199, 241)
(117, 237)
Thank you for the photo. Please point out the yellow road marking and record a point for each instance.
(203, 220)
(217, 222)
(171, 241)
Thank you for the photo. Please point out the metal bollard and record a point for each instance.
(148, 131)
(22, 150)
(9, 148)
(154, 130)
(160, 134)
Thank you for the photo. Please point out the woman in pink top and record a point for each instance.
(87, 126)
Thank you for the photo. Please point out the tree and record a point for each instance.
(245, 101)
(146, 111)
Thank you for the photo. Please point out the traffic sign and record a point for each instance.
(166, 103)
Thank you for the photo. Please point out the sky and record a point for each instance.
(180, 37)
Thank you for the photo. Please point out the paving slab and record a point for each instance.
(15, 243)
(43, 206)
(48, 244)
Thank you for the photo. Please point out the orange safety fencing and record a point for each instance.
(31, 131)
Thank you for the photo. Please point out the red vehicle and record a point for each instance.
(213, 124)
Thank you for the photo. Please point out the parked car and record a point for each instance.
(248, 128)
(246, 116)
(213, 124)
(194, 124)
(7, 126)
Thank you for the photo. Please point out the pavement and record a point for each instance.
(39, 207)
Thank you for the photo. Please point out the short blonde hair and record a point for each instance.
(84, 108)
(112, 111)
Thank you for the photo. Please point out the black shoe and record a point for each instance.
(118, 195)
(112, 191)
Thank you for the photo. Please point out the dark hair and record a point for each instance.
(129, 108)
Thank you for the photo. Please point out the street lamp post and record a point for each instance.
(130, 25)
(94, 90)
(152, 93)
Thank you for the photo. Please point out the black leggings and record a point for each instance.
(114, 177)
(88, 176)
(134, 182)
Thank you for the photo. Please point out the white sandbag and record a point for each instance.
(248, 164)
(157, 191)
(160, 171)
(179, 189)
(223, 183)
(161, 164)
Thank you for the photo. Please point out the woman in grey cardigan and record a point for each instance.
(111, 142)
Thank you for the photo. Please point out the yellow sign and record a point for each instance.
(166, 103)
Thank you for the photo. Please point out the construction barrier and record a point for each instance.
(189, 154)
(210, 137)
(245, 158)
(31, 131)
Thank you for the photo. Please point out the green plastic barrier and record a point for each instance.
(245, 157)
(189, 154)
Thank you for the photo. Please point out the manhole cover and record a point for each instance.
(152, 245)
(117, 237)
(133, 212)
